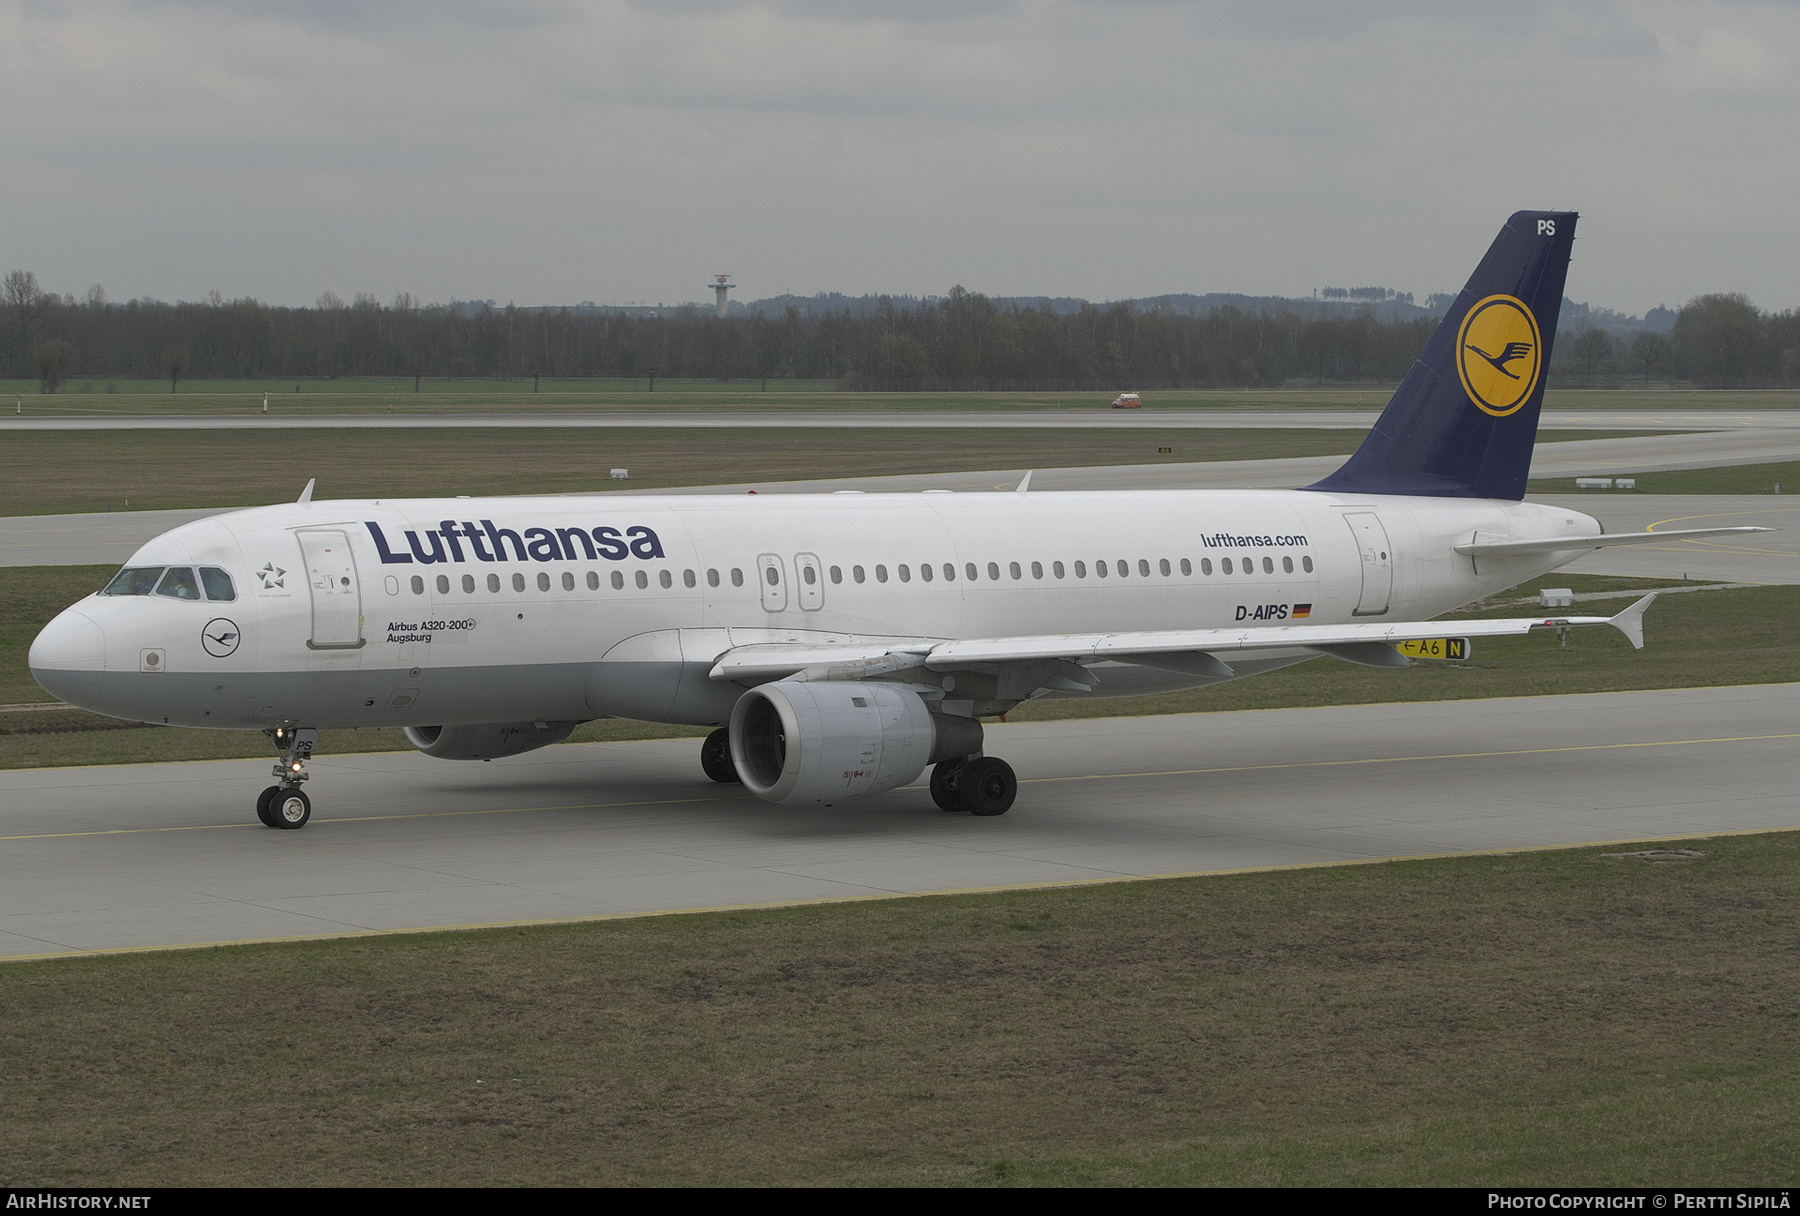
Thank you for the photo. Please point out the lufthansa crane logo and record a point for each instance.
(220, 638)
(1497, 354)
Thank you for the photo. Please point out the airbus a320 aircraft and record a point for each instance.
(841, 643)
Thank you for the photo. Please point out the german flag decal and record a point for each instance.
(1302, 611)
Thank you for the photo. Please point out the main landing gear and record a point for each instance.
(285, 805)
(982, 785)
(715, 758)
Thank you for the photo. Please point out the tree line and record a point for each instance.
(962, 341)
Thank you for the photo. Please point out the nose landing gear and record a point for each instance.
(285, 805)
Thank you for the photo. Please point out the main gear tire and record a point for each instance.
(946, 781)
(715, 758)
(988, 786)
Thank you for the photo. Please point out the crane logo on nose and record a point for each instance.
(220, 637)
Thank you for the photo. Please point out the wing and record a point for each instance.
(1056, 661)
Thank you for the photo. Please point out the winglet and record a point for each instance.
(1024, 483)
(306, 494)
(1631, 621)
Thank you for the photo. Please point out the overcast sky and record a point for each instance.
(551, 151)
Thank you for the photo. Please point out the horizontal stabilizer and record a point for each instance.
(1573, 544)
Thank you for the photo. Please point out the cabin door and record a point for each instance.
(1377, 563)
(336, 597)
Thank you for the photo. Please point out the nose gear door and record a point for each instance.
(337, 618)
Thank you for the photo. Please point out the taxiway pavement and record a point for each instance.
(145, 856)
(311, 417)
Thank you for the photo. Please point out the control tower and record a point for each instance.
(721, 285)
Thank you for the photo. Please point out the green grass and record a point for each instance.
(150, 470)
(1697, 639)
(1567, 1018)
(1726, 479)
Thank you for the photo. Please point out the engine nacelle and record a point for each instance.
(487, 740)
(802, 743)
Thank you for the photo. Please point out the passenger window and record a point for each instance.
(688, 579)
(1268, 565)
(443, 584)
(1249, 565)
(1100, 570)
(737, 577)
(1187, 567)
(642, 579)
(1225, 565)
(881, 574)
(664, 578)
(837, 575)
(1144, 567)
(1037, 569)
(543, 581)
(773, 575)
(994, 571)
(905, 573)
(218, 583)
(924, 572)
(1124, 568)
(971, 573)
(1164, 567)
(618, 580)
(712, 578)
(1056, 568)
(949, 573)
(593, 580)
(134, 580)
(856, 572)
(179, 584)
(518, 582)
(1306, 564)
(568, 581)
(468, 584)
(1080, 569)
(1013, 569)
(809, 574)
(418, 585)
(1287, 565)
(494, 582)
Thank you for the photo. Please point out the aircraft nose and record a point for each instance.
(69, 658)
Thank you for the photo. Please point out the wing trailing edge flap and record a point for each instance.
(1194, 651)
(1481, 547)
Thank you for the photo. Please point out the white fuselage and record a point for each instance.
(619, 605)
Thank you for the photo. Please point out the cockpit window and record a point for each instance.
(179, 584)
(134, 580)
(217, 583)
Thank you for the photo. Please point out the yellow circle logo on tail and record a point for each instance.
(1498, 354)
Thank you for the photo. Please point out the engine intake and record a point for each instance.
(487, 740)
(804, 743)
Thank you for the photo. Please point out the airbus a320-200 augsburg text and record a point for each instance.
(841, 643)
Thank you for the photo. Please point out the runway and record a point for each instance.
(1671, 418)
(146, 856)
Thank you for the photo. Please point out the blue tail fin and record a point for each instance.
(1463, 422)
